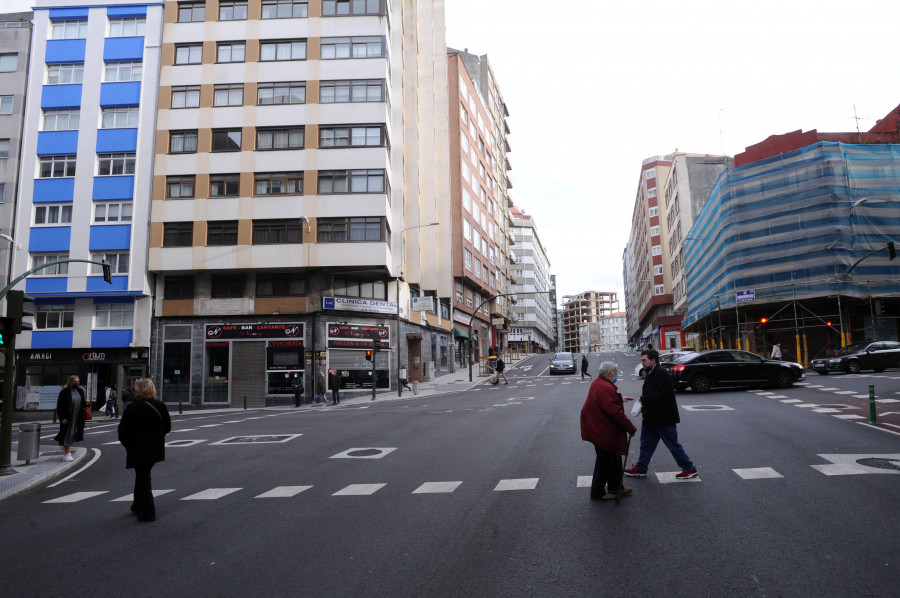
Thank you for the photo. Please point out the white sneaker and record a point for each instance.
(68, 457)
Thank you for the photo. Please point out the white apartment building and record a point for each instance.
(533, 330)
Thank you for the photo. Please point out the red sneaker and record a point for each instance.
(686, 475)
(634, 472)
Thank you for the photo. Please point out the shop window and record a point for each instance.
(216, 361)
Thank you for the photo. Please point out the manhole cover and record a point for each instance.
(364, 453)
(893, 464)
(257, 439)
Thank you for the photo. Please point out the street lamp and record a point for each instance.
(399, 276)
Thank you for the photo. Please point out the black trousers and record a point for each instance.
(143, 492)
(607, 473)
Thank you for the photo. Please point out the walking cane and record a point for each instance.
(624, 461)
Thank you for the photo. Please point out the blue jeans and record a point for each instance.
(650, 438)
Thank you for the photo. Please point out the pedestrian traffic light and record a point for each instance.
(107, 272)
(368, 355)
(892, 253)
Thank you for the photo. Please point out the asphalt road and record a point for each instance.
(477, 494)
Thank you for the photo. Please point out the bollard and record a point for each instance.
(245, 401)
(873, 419)
(180, 409)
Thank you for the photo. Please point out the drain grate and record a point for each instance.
(878, 463)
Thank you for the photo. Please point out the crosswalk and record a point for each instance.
(839, 410)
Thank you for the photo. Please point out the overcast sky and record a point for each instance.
(594, 87)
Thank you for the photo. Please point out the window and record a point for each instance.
(180, 187)
(179, 287)
(68, 29)
(118, 262)
(463, 142)
(178, 234)
(339, 48)
(39, 259)
(467, 230)
(6, 104)
(229, 95)
(654, 211)
(233, 10)
(285, 9)
(227, 286)
(52, 214)
(188, 53)
(334, 230)
(114, 315)
(654, 231)
(280, 285)
(113, 212)
(191, 12)
(650, 174)
(57, 166)
(222, 232)
(280, 139)
(186, 96)
(651, 192)
(351, 181)
(54, 316)
(467, 257)
(656, 250)
(226, 140)
(230, 51)
(182, 142)
(278, 183)
(459, 293)
(122, 71)
(466, 201)
(115, 164)
(357, 90)
(292, 92)
(282, 50)
(657, 270)
(4, 148)
(9, 63)
(119, 118)
(224, 185)
(61, 120)
(659, 289)
(332, 8)
(373, 136)
(270, 232)
(2, 192)
(369, 289)
(127, 27)
(62, 74)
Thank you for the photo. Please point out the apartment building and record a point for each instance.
(295, 183)
(84, 193)
(534, 286)
(584, 308)
(480, 217)
(15, 44)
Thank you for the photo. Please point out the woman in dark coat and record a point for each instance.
(605, 425)
(70, 406)
(142, 432)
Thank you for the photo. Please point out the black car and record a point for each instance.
(877, 356)
(704, 370)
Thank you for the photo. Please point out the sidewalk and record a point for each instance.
(49, 466)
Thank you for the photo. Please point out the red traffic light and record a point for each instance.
(368, 355)
(763, 320)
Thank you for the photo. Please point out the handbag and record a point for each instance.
(88, 416)
(636, 408)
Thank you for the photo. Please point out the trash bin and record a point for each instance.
(29, 442)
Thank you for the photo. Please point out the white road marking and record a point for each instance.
(78, 496)
(72, 475)
(849, 416)
(585, 481)
(436, 487)
(211, 494)
(791, 401)
(210, 425)
(359, 490)
(130, 497)
(845, 392)
(180, 443)
(185, 430)
(283, 492)
(860, 396)
(778, 397)
(826, 410)
(830, 388)
(838, 469)
(757, 473)
(517, 484)
(887, 400)
(807, 405)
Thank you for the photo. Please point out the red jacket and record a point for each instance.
(603, 419)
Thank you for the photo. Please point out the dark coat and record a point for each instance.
(64, 412)
(584, 364)
(658, 399)
(603, 420)
(142, 432)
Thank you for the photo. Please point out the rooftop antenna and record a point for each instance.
(858, 118)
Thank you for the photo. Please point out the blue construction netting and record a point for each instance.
(791, 226)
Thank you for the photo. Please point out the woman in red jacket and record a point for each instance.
(605, 425)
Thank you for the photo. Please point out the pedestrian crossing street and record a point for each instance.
(840, 465)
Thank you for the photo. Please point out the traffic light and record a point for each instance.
(763, 320)
(6, 326)
(892, 253)
(368, 355)
(19, 306)
(107, 272)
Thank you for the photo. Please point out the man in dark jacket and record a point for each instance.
(659, 416)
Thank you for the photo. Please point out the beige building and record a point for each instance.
(584, 308)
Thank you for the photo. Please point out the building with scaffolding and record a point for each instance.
(584, 308)
(769, 257)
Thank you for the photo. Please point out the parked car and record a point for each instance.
(707, 369)
(852, 359)
(663, 358)
(562, 363)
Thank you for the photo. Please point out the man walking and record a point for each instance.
(584, 367)
(776, 351)
(659, 415)
(500, 369)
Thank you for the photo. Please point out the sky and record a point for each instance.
(596, 87)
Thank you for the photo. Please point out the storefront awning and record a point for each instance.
(464, 334)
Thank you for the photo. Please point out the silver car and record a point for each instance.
(562, 363)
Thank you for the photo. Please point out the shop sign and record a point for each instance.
(358, 336)
(93, 356)
(237, 331)
(373, 306)
(42, 356)
(423, 304)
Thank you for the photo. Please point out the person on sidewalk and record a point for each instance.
(298, 390)
(776, 351)
(584, 367)
(501, 369)
(605, 425)
(142, 432)
(70, 406)
(335, 382)
(110, 402)
(404, 381)
(320, 390)
(659, 416)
